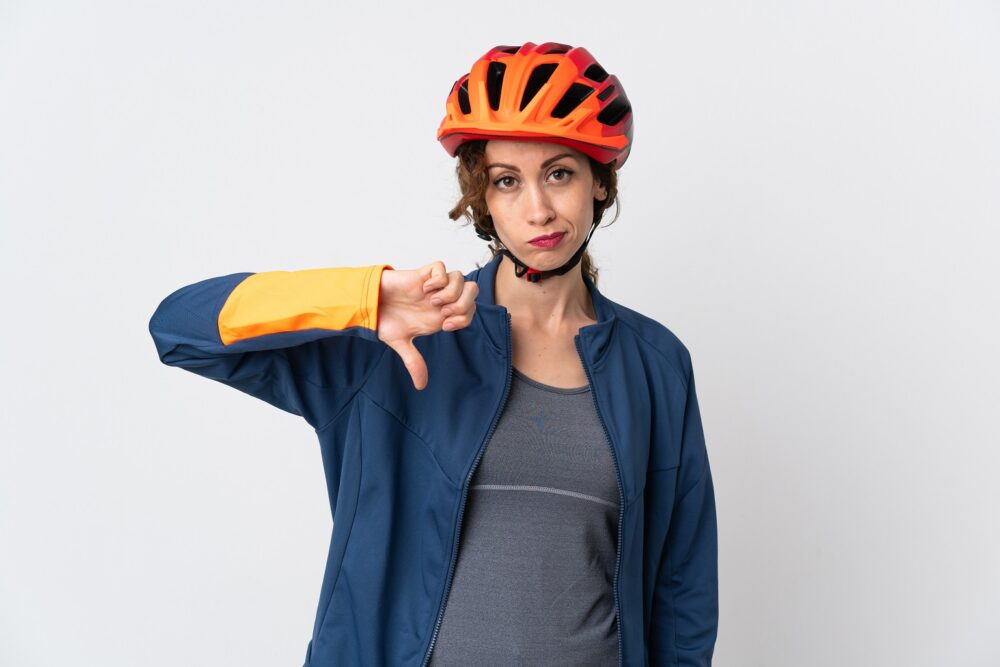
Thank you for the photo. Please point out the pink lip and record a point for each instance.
(549, 241)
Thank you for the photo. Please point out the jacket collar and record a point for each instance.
(594, 338)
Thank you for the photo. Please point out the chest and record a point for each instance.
(469, 374)
(549, 359)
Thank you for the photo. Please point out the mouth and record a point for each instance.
(547, 241)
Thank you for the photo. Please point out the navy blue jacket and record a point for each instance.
(398, 461)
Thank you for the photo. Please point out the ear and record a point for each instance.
(601, 194)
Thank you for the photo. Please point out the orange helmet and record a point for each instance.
(548, 92)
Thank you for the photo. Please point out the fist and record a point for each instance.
(419, 302)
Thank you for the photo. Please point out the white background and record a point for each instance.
(811, 205)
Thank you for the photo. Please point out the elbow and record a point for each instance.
(157, 334)
(168, 344)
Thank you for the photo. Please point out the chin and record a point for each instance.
(543, 261)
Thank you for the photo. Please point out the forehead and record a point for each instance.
(526, 153)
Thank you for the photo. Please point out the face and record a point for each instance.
(540, 188)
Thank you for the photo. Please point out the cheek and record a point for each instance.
(581, 205)
(499, 208)
(500, 226)
(498, 215)
(492, 203)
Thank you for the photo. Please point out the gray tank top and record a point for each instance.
(533, 577)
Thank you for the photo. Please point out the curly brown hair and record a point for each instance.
(473, 179)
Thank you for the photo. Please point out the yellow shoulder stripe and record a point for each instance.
(280, 301)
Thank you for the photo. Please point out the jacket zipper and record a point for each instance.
(465, 494)
(621, 495)
(475, 464)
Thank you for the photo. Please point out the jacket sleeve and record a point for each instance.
(685, 610)
(303, 341)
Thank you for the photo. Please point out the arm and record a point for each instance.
(303, 341)
(685, 612)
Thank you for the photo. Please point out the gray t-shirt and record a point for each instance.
(533, 580)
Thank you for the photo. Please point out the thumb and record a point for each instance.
(413, 361)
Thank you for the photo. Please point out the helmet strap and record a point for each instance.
(522, 270)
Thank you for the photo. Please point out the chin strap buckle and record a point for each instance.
(533, 275)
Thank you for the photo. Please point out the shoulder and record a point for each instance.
(473, 275)
(660, 341)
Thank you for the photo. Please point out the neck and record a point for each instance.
(548, 304)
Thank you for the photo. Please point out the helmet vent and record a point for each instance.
(463, 97)
(606, 93)
(538, 77)
(557, 48)
(577, 93)
(494, 83)
(614, 112)
(596, 73)
(508, 49)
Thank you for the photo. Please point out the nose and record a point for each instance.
(538, 208)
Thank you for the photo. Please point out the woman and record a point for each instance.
(525, 479)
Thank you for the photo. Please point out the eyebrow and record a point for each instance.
(544, 164)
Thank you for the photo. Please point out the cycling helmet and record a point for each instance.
(548, 92)
(551, 91)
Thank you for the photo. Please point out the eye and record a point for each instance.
(501, 180)
(567, 173)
